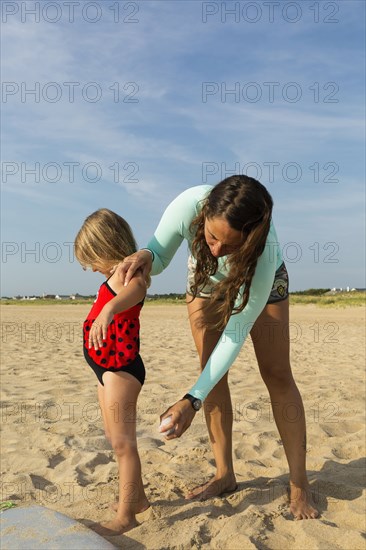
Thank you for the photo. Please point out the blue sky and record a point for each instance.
(135, 107)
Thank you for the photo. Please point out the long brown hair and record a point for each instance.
(247, 206)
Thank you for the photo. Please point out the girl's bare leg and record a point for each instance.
(114, 506)
(102, 408)
(119, 397)
(217, 407)
(270, 336)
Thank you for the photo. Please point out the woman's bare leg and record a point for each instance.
(270, 337)
(217, 407)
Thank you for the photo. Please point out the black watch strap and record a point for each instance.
(195, 402)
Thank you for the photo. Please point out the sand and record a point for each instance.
(54, 452)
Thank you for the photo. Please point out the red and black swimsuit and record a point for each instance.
(120, 351)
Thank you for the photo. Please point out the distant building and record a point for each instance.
(347, 289)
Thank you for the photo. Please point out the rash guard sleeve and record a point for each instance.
(239, 325)
(174, 226)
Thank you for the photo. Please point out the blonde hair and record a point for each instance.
(105, 239)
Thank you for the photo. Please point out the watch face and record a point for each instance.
(197, 403)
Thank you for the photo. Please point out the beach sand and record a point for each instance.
(54, 452)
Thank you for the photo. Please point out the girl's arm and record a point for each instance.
(126, 298)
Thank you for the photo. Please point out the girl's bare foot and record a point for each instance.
(215, 487)
(141, 506)
(302, 505)
(114, 527)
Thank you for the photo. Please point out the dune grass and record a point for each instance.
(45, 302)
(341, 299)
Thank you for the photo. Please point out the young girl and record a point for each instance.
(111, 348)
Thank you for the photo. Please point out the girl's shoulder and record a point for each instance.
(114, 284)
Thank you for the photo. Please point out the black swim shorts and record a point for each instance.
(136, 368)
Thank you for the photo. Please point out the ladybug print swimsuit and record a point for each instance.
(120, 350)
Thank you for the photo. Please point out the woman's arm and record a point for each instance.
(239, 326)
(232, 339)
(172, 229)
(125, 298)
(174, 226)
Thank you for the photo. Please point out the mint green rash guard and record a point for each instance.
(173, 228)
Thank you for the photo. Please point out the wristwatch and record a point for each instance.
(196, 403)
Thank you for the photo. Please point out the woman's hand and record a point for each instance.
(142, 259)
(182, 413)
(98, 331)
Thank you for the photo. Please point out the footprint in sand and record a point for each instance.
(85, 471)
(56, 459)
(97, 461)
(41, 483)
(347, 451)
(338, 429)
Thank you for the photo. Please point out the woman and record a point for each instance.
(237, 283)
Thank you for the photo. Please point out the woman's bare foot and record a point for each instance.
(141, 506)
(215, 487)
(302, 505)
(114, 527)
